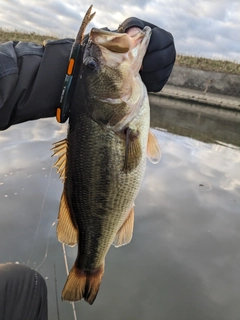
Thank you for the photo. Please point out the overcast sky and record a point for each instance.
(209, 28)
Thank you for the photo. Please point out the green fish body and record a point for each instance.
(102, 161)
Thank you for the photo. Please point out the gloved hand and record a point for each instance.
(160, 56)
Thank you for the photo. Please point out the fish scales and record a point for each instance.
(102, 190)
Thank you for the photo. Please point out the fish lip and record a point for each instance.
(101, 37)
(120, 34)
(102, 31)
(112, 41)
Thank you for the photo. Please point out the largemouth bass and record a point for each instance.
(102, 161)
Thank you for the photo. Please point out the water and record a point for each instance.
(184, 260)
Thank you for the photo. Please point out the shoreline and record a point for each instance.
(199, 87)
(200, 97)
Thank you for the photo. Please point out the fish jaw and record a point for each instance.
(128, 48)
(115, 91)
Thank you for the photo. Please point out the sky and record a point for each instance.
(206, 28)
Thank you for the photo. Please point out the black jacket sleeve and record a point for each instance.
(31, 80)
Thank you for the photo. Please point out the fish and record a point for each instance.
(102, 161)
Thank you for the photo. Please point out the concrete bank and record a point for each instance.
(203, 87)
(206, 98)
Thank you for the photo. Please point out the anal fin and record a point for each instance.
(124, 234)
(66, 231)
(153, 148)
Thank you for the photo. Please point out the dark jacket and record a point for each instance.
(31, 79)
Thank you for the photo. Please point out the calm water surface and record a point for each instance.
(184, 260)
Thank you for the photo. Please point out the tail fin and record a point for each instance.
(82, 285)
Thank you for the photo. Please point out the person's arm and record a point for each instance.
(31, 80)
(32, 76)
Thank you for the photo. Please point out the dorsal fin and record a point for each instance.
(153, 148)
(60, 150)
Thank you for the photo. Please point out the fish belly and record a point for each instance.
(99, 193)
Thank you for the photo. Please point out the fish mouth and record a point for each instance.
(118, 42)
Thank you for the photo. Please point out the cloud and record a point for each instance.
(205, 28)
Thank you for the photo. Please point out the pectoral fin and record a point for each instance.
(153, 148)
(66, 231)
(60, 149)
(124, 234)
(133, 150)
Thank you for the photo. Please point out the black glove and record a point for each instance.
(160, 56)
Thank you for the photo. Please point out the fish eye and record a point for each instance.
(91, 64)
